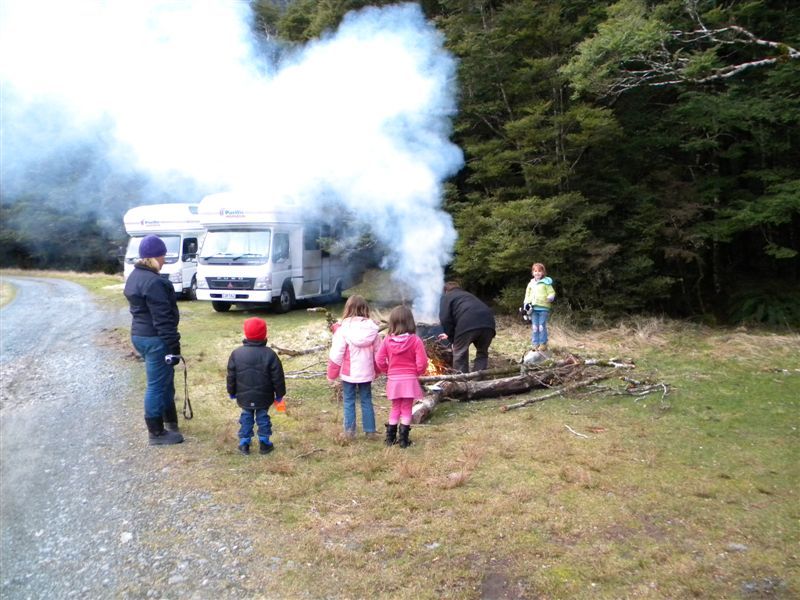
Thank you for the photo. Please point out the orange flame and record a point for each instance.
(435, 367)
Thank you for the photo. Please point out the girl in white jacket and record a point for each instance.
(352, 357)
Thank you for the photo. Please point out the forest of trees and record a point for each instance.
(648, 152)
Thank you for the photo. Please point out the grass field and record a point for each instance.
(694, 495)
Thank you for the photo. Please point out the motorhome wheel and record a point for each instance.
(286, 300)
(190, 293)
(221, 306)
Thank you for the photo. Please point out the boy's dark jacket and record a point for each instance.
(153, 307)
(255, 375)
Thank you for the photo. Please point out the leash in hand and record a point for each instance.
(174, 359)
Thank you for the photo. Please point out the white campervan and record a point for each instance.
(259, 252)
(179, 226)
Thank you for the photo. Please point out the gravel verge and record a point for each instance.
(87, 508)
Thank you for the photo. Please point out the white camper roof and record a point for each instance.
(227, 208)
(155, 218)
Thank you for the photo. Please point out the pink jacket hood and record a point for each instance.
(353, 349)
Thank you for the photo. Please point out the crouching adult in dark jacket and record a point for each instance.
(154, 333)
(255, 380)
(466, 321)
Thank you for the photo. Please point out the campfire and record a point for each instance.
(436, 367)
(440, 353)
(562, 374)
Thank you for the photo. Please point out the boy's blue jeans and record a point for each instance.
(160, 390)
(367, 411)
(539, 327)
(246, 420)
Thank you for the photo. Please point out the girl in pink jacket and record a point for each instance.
(402, 357)
(352, 357)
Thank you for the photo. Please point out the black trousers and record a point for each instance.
(482, 339)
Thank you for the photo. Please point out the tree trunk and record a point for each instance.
(473, 390)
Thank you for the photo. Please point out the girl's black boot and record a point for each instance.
(404, 431)
(391, 434)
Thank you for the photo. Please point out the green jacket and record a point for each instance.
(540, 294)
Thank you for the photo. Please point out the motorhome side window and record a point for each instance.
(311, 238)
(189, 248)
(280, 247)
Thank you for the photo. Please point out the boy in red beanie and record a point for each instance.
(255, 380)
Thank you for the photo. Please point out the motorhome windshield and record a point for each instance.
(236, 246)
(173, 243)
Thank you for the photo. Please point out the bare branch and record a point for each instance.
(667, 66)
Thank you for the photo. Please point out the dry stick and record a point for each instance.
(306, 368)
(305, 375)
(571, 430)
(289, 352)
(488, 373)
(611, 362)
(567, 388)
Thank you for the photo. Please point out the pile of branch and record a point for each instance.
(566, 375)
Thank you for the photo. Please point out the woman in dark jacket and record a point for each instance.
(154, 333)
(466, 321)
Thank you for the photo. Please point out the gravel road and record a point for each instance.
(86, 506)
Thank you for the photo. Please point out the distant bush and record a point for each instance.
(775, 306)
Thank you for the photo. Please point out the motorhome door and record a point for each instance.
(312, 262)
(281, 263)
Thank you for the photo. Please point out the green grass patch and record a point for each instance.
(692, 495)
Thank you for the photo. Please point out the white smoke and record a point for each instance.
(362, 115)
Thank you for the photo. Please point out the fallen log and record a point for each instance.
(471, 390)
(423, 409)
(558, 392)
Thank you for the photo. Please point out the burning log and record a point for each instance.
(440, 356)
(486, 374)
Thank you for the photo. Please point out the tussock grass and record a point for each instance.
(696, 496)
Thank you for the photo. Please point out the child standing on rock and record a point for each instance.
(255, 380)
(539, 296)
(402, 357)
(352, 357)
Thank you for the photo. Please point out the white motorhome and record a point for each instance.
(179, 226)
(259, 252)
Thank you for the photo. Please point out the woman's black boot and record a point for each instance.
(160, 436)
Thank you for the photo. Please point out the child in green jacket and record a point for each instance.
(539, 296)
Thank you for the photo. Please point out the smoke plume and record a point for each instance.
(182, 90)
